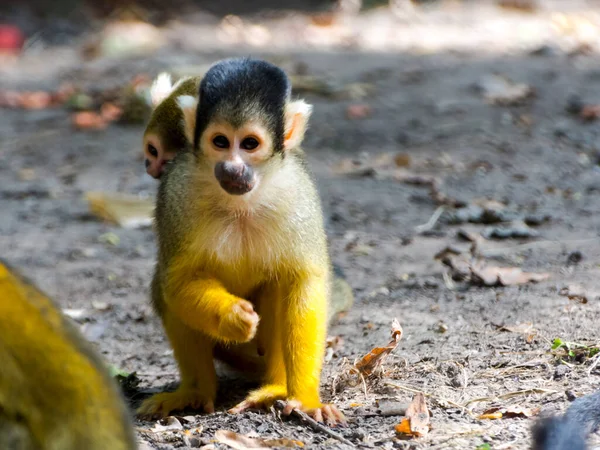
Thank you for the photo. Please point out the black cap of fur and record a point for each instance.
(241, 89)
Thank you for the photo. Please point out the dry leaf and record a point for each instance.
(499, 90)
(128, 211)
(524, 328)
(372, 360)
(508, 412)
(171, 424)
(491, 415)
(416, 422)
(358, 111)
(241, 442)
(505, 276)
(574, 293)
(88, 120)
(519, 411)
(110, 112)
(519, 5)
(402, 159)
(35, 100)
(334, 342)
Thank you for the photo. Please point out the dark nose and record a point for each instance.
(236, 179)
(230, 172)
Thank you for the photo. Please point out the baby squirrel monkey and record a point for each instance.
(165, 137)
(242, 251)
(55, 393)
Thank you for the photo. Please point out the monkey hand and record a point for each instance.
(239, 322)
(262, 398)
(161, 405)
(328, 413)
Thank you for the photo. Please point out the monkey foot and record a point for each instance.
(262, 398)
(161, 405)
(328, 413)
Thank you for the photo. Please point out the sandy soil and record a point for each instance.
(536, 158)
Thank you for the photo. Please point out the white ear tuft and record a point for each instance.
(297, 114)
(161, 88)
(186, 101)
(188, 105)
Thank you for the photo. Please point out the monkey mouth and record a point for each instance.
(237, 187)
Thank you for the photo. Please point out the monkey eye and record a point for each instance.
(221, 141)
(152, 150)
(249, 143)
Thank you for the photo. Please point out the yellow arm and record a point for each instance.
(202, 303)
(305, 325)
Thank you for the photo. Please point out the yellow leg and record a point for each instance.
(194, 354)
(304, 317)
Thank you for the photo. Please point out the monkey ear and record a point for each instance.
(297, 114)
(188, 105)
(161, 88)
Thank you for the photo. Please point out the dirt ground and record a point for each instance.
(461, 342)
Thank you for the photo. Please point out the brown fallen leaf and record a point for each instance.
(499, 90)
(127, 211)
(524, 328)
(35, 100)
(358, 111)
(490, 415)
(110, 112)
(372, 360)
(169, 424)
(88, 120)
(402, 159)
(241, 442)
(574, 293)
(508, 412)
(416, 420)
(504, 276)
(519, 5)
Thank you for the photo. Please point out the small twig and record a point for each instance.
(439, 399)
(490, 253)
(596, 359)
(307, 420)
(511, 395)
(428, 226)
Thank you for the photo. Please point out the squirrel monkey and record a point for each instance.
(165, 137)
(55, 393)
(242, 251)
(569, 432)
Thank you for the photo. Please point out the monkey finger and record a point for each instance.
(241, 407)
(329, 415)
(340, 418)
(290, 406)
(318, 415)
(209, 407)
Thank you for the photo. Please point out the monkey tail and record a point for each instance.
(342, 296)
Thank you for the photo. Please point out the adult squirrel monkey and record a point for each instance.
(55, 393)
(242, 251)
(165, 137)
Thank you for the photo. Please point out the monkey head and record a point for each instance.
(244, 123)
(164, 136)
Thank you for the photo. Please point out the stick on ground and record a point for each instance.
(307, 420)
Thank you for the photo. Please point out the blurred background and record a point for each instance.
(444, 132)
